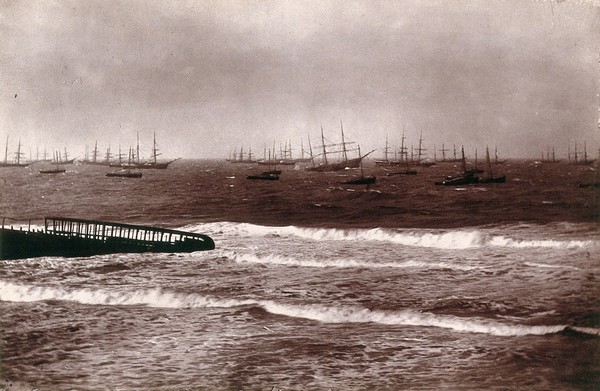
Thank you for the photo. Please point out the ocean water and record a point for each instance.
(314, 285)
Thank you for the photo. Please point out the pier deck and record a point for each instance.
(70, 237)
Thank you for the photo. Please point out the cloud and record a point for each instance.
(238, 72)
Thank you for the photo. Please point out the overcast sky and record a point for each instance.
(211, 76)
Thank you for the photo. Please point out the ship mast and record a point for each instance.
(138, 147)
(323, 143)
(344, 151)
(154, 149)
(489, 162)
(6, 151)
(95, 155)
(19, 153)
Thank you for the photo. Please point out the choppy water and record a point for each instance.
(373, 295)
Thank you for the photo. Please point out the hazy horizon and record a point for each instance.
(209, 77)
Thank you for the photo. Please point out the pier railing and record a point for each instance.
(4, 219)
(100, 230)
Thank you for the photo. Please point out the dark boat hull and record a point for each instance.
(361, 181)
(124, 174)
(8, 165)
(459, 181)
(264, 177)
(501, 179)
(55, 171)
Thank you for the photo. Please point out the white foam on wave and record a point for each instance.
(408, 318)
(149, 297)
(450, 240)
(460, 239)
(273, 259)
(547, 266)
(502, 241)
(326, 314)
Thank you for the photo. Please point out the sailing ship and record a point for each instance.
(467, 177)
(241, 157)
(95, 153)
(125, 172)
(286, 155)
(455, 159)
(547, 158)
(272, 174)
(56, 170)
(491, 178)
(153, 163)
(66, 159)
(420, 161)
(17, 160)
(385, 161)
(585, 161)
(343, 164)
(362, 180)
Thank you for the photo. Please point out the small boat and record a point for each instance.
(271, 163)
(264, 176)
(362, 180)
(468, 177)
(56, 170)
(595, 185)
(53, 171)
(125, 174)
(368, 180)
(491, 178)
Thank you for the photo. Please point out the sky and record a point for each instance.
(209, 77)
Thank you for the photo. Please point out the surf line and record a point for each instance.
(324, 314)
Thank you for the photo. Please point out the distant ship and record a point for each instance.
(17, 160)
(94, 160)
(470, 177)
(491, 178)
(577, 161)
(57, 170)
(241, 157)
(343, 164)
(362, 180)
(124, 174)
(467, 177)
(153, 163)
(547, 158)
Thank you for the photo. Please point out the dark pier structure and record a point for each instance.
(68, 237)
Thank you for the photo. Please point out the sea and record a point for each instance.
(313, 285)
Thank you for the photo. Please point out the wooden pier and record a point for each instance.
(72, 237)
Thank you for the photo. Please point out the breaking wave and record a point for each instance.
(316, 312)
(273, 259)
(451, 239)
